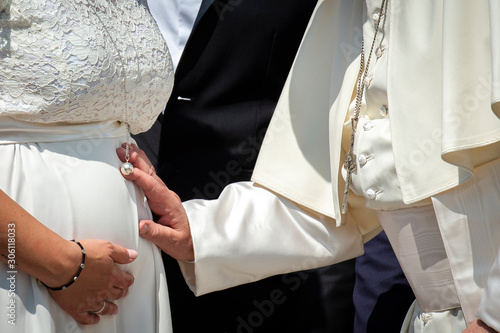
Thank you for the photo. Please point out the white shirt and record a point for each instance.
(175, 19)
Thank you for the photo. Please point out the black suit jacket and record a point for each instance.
(227, 84)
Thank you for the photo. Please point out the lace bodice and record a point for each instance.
(82, 61)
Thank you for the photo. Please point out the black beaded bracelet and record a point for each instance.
(80, 268)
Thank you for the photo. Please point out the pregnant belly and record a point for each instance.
(75, 188)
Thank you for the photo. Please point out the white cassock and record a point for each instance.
(440, 74)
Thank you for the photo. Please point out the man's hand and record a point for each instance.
(100, 281)
(478, 326)
(171, 234)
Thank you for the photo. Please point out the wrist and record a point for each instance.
(65, 267)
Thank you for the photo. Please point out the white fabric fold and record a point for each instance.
(250, 234)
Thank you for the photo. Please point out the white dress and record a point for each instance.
(71, 74)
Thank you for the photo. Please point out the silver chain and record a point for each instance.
(350, 157)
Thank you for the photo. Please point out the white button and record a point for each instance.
(368, 126)
(370, 194)
(362, 159)
(383, 110)
(375, 17)
(379, 52)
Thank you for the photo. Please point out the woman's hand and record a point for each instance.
(171, 233)
(100, 281)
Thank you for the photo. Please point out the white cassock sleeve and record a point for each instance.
(250, 233)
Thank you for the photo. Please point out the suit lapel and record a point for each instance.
(203, 9)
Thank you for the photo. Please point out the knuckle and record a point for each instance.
(108, 245)
(152, 170)
(103, 295)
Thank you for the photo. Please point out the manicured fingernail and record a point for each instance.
(132, 254)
